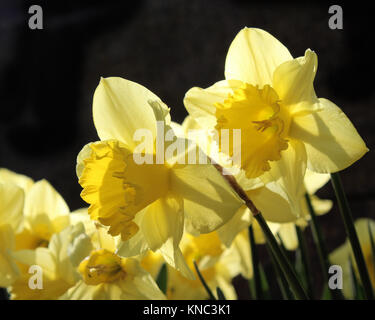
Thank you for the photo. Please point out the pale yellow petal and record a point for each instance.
(242, 251)
(200, 103)
(163, 219)
(332, 143)
(293, 82)
(137, 244)
(288, 235)
(44, 199)
(11, 205)
(120, 107)
(321, 206)
(253, 57)
(341, 257)
(7, 176)
(85, 153)
(284, 185)
(209, 200)
(8, 268)
(240, 221)
(314, 181)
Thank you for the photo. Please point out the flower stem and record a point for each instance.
(283, 284)
(204, 283)
(320, 244)
(347, 218)
(255, 259)
(318, 239)
(283, 261)
(305, 260)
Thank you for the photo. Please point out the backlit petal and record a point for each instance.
(120, 107)
(332, 143)
(253, 56)
(209, 201)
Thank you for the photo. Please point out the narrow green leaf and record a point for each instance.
(282, 282)
(326, 294)
(354, 282)
(352, 234)
(204, 283)
(302, 261)
(321, 247)
(372, 241)
(257, 282)
(162, 278)
(264, 283)
(220, 294)
(285, 265)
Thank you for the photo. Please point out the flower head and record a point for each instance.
(137, 180)
(270, 97)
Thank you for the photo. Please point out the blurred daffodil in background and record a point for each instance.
(38, 213)
(217, 264)
(343, 257)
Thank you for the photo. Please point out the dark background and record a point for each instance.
(47, 77)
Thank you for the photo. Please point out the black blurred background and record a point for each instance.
(47, 77)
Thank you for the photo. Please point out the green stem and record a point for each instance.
(346, 216)
(322, 250)
(284, 263)
(318, 239)
(305, 260)
(209, 292)
(283, 284)
(162, 279)
(282, 260)
(255, 260)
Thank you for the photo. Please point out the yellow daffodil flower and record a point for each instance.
(217, 264)
(32, 213)
(270, 97)
(104, 275)
(343, 256)
(12, 197)
(148, 203)
(57, 271)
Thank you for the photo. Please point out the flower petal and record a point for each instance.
(7, 176)
(120, 107)
(8, 268)
(240, 221)
(285, 178)
(44, 204)
(200, 103)
(293, 82)
(137, 244)
(273, 204)
(163, 219)
(11, 205)
(314, 181)
(332, 143)
(253, 56)
(209, 201)
(288, 235)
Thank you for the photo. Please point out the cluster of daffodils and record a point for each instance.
(159, 197)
